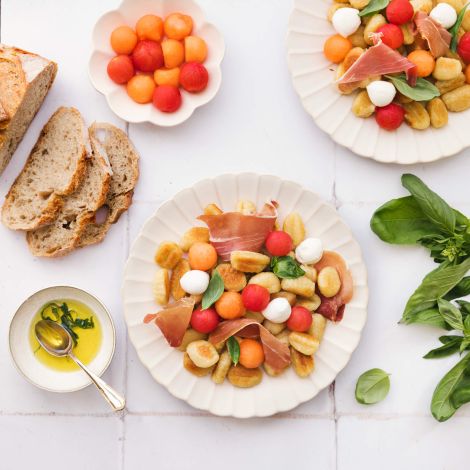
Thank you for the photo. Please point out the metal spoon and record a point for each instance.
(56, 340)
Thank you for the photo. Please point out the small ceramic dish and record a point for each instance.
(23, 356)
(127, 14)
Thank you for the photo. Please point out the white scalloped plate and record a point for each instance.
(127, 14)
(274, 394)
(313, 78)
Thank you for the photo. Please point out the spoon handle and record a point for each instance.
(116, 401)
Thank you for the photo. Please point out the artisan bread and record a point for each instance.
(61, 237)
(54, 169)
(124, 162)
(25, 80)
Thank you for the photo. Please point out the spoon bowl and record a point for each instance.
(54, 338)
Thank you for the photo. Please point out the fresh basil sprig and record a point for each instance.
(374, 6)
(233, 349)
(455, 29)
(430, 316)
(214, 290)
(286, 267)
(372, 386)
(450, 345)
(424, 90)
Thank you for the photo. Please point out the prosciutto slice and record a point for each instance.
(232, 231)
(437, 37)
(276, 354)
(379, 59)
(331, 308)
(173, 320)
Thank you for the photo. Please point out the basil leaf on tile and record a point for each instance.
(233, 349)
(447, 349)
(422, 91)
(451, 314)
(454, 31)
(372, 386)
(214, 290)
(374, 6)
(286, 267)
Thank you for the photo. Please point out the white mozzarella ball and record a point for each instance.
(444, 14)
(309, 251)
(381, 93)
(278, 310)
(195, 282)
(346, 21)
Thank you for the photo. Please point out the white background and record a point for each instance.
(255, 123)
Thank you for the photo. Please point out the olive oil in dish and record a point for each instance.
(82, 324)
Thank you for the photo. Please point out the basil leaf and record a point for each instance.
(372, 386)
(455, 29)
(464, 345)
(422, 91)
(449, 348)
(401, 221)
(442, 406)
(233, 349)
(461, 394)
(374, 6)
(433, 206)
(448, 338)
(451, 314)
(460, 290)
(286, 267)
(214, 290)
(430, 317)
(464, 307)
(434, 286)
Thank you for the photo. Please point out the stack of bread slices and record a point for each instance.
(75, 184)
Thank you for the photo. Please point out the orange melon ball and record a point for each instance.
(230, 306)
(150, 27)
(178, 26)
(140, 88)
(251, 353)
(424, 62)
(202, 256)
(336, 47)
(167, 76)
(123, 40)
(195, 49)
(173, 53)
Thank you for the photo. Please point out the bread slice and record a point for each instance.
(61, 237)
(124, 162)
(54, 169)
(25, 80)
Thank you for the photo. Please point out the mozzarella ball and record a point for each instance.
(309, 251)
(346, 21)
(278, 310)
(381, 93)
(195, 282)
(444, 14)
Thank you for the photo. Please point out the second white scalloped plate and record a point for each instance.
(313, 78)
(274, 394)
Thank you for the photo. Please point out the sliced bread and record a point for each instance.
(25, 80)
(61, 237)
(124, 162)
(54, 169)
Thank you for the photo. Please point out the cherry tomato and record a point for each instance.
(204, 321)
(121, 69)
(255, 298)
(147, 56)
(300, 319)
(279, 243)
(390, 117)
(464, 47)
(392, 35)
(399, 11)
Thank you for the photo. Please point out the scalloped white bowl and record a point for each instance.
(313, 78)
(127, 14)
(274, 394)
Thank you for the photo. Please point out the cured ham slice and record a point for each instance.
(233, 231)
(276, 354)
(331, 308)
(437, 37)
(379, 59)
(173, 320)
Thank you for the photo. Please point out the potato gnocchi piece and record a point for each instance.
(310, 272)
(375, 22)
(408, 36)
(202, 353)
(189, 365)
(194, 235)
(175, 288)
(422, 5)
(249, 261)
(197, 298)
(222, 368)
(302, 286)
(333, 9)
(294, 226)
(456, 4)
(283, 337)
(246, 207)
(318, 326)
(437, 113)
(272, 372)
(466, 20)
(212, 209)
(302, 364)
(268, 280)
(303, 343)
(290, 296)
(161, 287)
(362, 105)
(219, 347)
(168, 255)
(256, 316)
(444, 86)
(274, 328)
(242, 377)
(359, 4)
(457, 100)
(357, 39)
(447, 69)
(310, 304)
(329, 282)
(416, 115)
(190, 336)
(234, 280)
